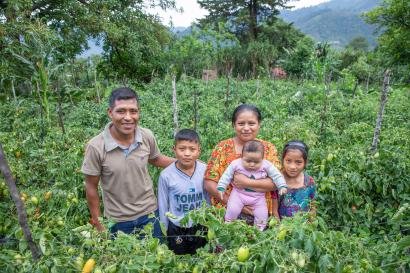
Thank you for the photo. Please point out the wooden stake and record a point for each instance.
(327, 81)
(355, 87)
(174, 104)
(59, 105)
(195, 108)
(383, 100)
(367, 83)
(13, 90)
(96, 85)
(21, 212)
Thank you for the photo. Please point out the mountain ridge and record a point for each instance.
(336, 22)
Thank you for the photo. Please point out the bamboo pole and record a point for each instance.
(195, 108)
(96, 85)
(174, 104)
(383, 100)
(323, 115)
(59, 105)
(367, 83)
(13, 90)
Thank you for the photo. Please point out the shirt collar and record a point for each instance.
(110, 143)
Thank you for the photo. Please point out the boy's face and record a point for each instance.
(252, 161)
(187, 152)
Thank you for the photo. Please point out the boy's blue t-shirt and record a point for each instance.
(179, 193)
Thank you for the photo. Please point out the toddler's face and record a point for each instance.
(293, 163)
(252, 161)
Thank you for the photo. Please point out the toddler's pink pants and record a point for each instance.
(240, 198)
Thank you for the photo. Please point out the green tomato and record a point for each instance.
(322, 168)
(243, 254)
(111, 268)
(34, 200)
(211, 234)
(195, 269)
(79, 262)
(273, 222)
(294, 255)
(89, 242)
(70, 250)
(329, 157)
(301, 261)
(281, 234)
(347, 269)
(18, 257)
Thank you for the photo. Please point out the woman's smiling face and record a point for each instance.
(246, 126)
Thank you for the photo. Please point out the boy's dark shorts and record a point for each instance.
(184, 240)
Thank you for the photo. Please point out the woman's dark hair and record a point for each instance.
(246, 107)
(253, 146)
(296, 145)
(188, 135)
(122, 93)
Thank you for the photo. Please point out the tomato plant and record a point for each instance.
(362, 204)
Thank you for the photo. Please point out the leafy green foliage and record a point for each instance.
(133, 41)
(261, 35)
(393, 20)
(359, 43)
(362, 199)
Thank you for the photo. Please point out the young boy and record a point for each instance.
(181, 189)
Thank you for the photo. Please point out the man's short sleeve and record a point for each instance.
(153, 146)
(92, 161)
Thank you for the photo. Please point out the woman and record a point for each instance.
(246, 121)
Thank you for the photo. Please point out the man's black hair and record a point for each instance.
(188, 135)
(253, 146)
(122, 93)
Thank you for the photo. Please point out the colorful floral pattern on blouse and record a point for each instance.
(297, 199)
(224, 153)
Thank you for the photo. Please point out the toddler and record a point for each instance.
(253, 166)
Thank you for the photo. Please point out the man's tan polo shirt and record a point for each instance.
(126, 185)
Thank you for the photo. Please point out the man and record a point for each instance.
(119, 157)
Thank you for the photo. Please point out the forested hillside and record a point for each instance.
(336, 22)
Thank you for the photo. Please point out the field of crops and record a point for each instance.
(363, 222)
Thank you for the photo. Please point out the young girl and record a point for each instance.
(253, 166)
(302, 189)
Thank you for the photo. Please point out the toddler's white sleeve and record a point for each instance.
(226, 178)
(276, 176)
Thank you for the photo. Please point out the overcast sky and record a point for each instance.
(192, 11)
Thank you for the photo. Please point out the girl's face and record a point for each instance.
(293, 163)
(252, 161)
(246, 126)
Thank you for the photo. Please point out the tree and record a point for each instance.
(131, 37)
(296, 62)
(393, 18)
(359, 43)
(245, 17)
(262, 36)
(133, 44)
